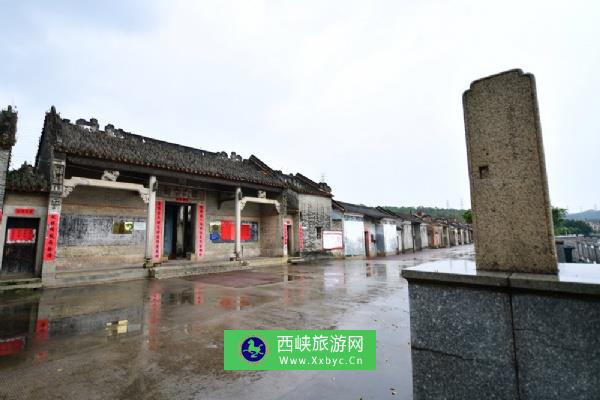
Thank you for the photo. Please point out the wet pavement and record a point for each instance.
(163, 339)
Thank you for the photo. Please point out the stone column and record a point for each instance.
(8, 131)
(507, 171)
(4, 161)
(150, 219)
(57, 175)
(238, 223)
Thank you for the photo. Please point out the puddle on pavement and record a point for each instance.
(171, 330)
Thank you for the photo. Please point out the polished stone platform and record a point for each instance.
(497, 335)
(571, 278)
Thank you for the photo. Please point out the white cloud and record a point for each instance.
(367, 93)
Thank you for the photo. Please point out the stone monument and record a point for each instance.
(512, 218)
(515, 324)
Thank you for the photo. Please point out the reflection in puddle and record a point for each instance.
(114, 328)
(12, 346)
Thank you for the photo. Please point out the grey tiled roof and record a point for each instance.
(26, 179)
(8, 127)
(364, 210)
(85, 139)
(298, 183)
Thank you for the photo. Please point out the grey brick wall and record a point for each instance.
(315, 211)
(4, 160)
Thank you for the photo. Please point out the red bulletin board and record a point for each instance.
(227, 230)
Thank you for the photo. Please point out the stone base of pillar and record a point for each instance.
(502, 335)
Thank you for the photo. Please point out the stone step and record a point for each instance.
(75, 278)
(176, 271)
(20, 284)
(164, 272)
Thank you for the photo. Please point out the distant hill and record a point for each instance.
(589, 215)
(449, 213)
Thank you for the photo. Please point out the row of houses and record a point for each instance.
(97, 200)
(379, 231)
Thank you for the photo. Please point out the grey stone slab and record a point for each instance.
(461, 342)
(558, 346)
(471, 322)
(455, 271)
(461, 379)
(571, 278)
(507, 171)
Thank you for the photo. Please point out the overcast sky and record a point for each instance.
(366, 93)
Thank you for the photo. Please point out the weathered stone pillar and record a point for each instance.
(514, 332)
(238, 224)
(57, 176)
(8, 131)
(150, 219)
(507, 171)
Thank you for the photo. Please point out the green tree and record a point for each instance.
(558, 216)
(563, 226)
(577, 227)
(468, 216)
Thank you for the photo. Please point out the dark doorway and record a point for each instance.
(416, 228)
(290, 249)
(179, 233)
(20, 245)
(367, 240)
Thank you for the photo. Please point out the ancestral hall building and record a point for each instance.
(97, 200)
(116, 198)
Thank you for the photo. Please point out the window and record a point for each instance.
(318, 232)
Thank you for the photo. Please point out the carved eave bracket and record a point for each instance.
(70, 184)
(260, 200)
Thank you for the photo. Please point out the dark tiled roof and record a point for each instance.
(301, 184)
(403, 216)
(298, 183)
(85, 139)
(8, 127)
(364, 210)
(26, 179)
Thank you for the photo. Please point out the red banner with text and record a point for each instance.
(51, 236)
(200, 230)
(157, 241)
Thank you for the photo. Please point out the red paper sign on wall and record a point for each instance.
(227, 230)
(300, 237)
(200, 230)
(51, 236)
(157, 242)
(20, 235)
(24, 211)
